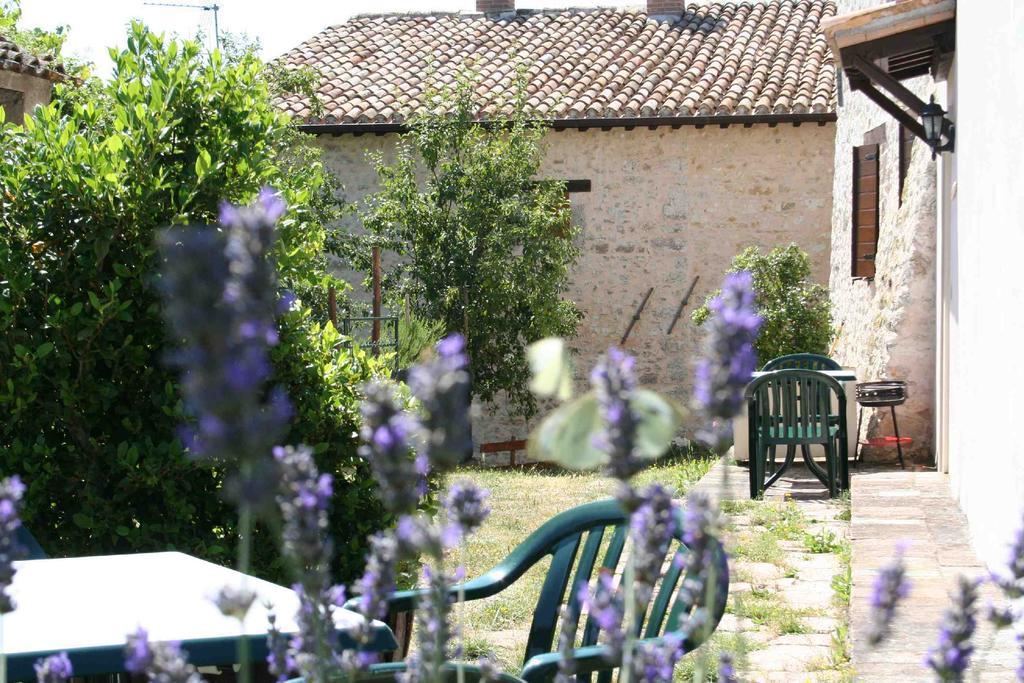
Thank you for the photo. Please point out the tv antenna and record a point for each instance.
(206, 8)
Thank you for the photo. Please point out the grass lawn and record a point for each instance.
(521, 500)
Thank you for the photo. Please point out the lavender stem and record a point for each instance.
(244, 552)
(3, 652)
(626, 672)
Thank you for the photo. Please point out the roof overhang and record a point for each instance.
(629, 123)
(879, 47)
(906, 38)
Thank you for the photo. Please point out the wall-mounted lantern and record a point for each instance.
(932, 120)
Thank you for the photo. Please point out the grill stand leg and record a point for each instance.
(856, 449)
(896, 428)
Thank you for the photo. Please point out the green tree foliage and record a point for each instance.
(484, 247)
(90, 408)
(797, 313)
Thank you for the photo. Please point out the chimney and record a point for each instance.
(659, 8)
(495, 6)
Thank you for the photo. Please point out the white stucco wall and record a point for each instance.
(666, 205)
(985, 285)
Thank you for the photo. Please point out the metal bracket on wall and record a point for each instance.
(636, 316)
(682, 305)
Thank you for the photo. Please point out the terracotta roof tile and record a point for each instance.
(721, 58)
(14, 58)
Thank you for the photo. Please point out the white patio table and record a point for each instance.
(87, 605)
(845, 377)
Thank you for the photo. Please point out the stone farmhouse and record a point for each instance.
(26, 80)
(686, 133)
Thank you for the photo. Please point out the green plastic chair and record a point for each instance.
(801, 361)
(793, 408)
(573, 540)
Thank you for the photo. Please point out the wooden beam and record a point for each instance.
(884, 80)
(890, 107)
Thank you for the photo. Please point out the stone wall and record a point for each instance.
(888, 323)
(665, 206)
(33, 90)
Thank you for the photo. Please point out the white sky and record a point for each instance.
(278, 24)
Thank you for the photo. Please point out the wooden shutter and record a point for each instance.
(865, 210)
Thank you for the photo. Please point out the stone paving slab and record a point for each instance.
(890, 507)
(806, 587)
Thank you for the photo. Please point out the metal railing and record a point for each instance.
(360, 331)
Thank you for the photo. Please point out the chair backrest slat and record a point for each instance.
(801, 361)
(792, 406)
(585, 566)
(572, 555)
(549, 604)
(611, 560)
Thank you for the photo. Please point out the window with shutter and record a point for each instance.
(573, 187)
(865, 210)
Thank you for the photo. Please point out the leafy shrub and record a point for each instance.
(415, 336)
(486, 248)
(797, 313)
(90, 407)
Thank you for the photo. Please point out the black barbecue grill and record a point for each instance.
(887, 393)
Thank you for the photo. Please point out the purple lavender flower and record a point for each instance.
(614, 382)
(726, 668)
(314, 646)
(652, 527)
(730, 357)
(303, 498)
(567, 636)
(378, 580)
(138, 654)
(951, 655)
(442, 387)
(159, 662)
(1011, 580)
(417, 535)
(280, 662)
(466, 505)
(54, 669)
(432, 628)
(655, 662)
(220, 297)
(386, 433)
(701, 524)
(234, 601)
(604, 605)
(889, 588)
(11, 491)
(489, 671)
